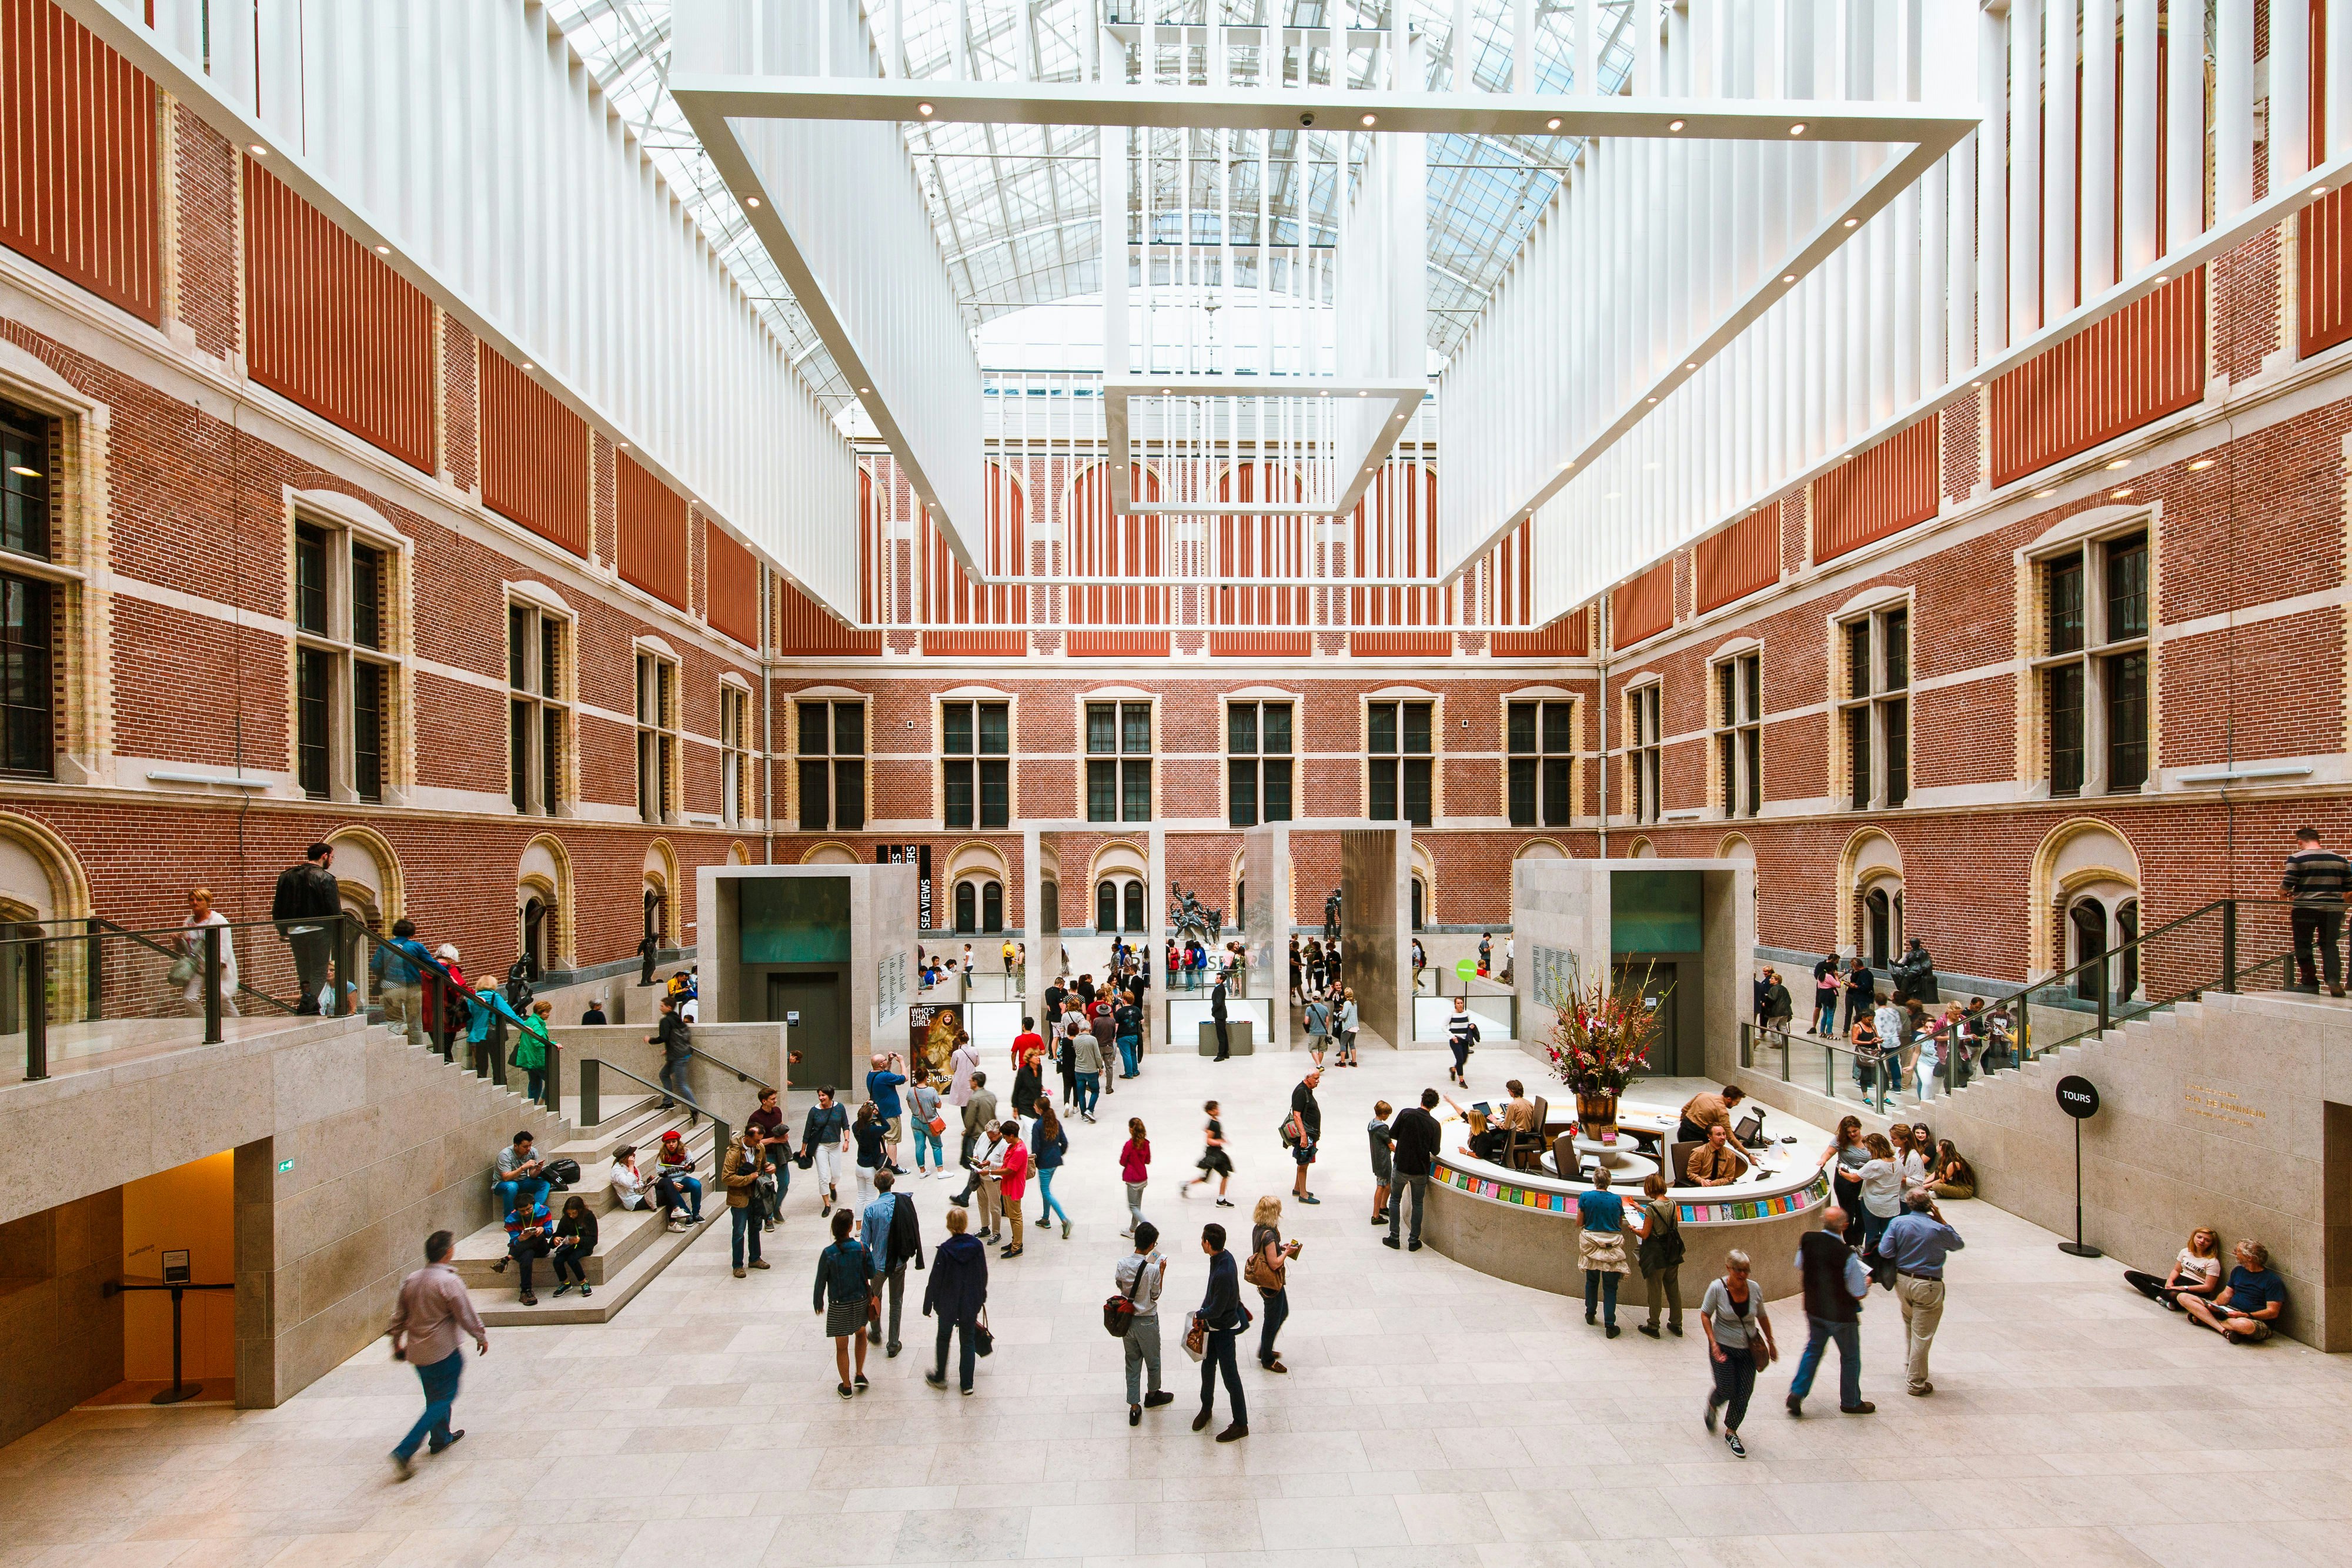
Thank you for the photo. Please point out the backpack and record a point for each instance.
(1661, 1248)
(562, 1173)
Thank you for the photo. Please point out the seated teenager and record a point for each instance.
(675, 1183)
(2196, 1271)
(1952, 1175)
(529, 1233)
(2248, 1309)
(629, 1183)
(575, 1238)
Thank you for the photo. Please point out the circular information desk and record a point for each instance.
(1521, 1226)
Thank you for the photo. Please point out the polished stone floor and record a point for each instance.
(1431, 1416)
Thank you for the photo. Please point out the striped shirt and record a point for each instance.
(1462, 1029)
(2318, 879)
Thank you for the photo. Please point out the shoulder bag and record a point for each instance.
(1118, 1310)
(1661, 1241)
(984, 1343)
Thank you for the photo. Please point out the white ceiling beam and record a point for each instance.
(1317, 104)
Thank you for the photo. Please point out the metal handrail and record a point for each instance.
(741, 1076)
(592, 1087)
(145, 940)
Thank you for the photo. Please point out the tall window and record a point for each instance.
(831, 746)
(344, 679)
(1541, 739)
(1398, 772)
(657, 738)
(536, 708)
(734, 755)
(2094, 667)
(1875, 713)
(1739, 734)
(978, 905)
(976, 740)
(1119, 762)
(1644, 752)
(27, 693)
(1257, 763)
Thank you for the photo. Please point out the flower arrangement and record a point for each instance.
(1599, 1038)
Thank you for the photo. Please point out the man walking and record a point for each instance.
(978, 1116)
(677, 1041)
(426, 1321)
(2318, 880)
(893, 1236)
(1138, 1276)
(1916, 1242)
(1416, 1135)
(1835, 1283)
(1304, 1131)
(306, 906)
(740, 1173)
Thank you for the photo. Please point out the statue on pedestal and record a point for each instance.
(1331, 916)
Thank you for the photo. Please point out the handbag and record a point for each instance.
(984, 1343)
(1256, 1272)
(1118, 1310)
(937, 1124)
(805, 1158)
(1196, 1339)
(182, 972)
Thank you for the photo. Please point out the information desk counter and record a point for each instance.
(1521, 1226)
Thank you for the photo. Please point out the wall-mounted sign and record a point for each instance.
(285, 1165)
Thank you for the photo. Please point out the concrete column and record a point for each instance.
(1044, 946)
(1265, 858)
(1375, 914)
(1155, 925)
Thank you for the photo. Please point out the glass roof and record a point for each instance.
(1016, 208)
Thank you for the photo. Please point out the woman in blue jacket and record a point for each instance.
(1047, 1144)
(955, 1295)
(845, 1274)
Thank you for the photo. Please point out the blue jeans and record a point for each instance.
(1873, 1226)
(679, 1194)
(673, 1076)
(1129, 1046)
(1089, 1092)
(1820, 1332)
(924, 1137)
(507, 1191)
(1600, 1290)
(745, 1220)
(1048, 1204)
(440, 1381)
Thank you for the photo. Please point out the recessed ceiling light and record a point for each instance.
(2044, 495)
(1975, 383)
(1553, 123)
(383, 250)
(624, 446)
(1692, 366)
(1167, 392)
(1788, 278)
(2200, 465)
(1363, 394)
(2120, 463)
(1653, 399)
(2159, 277)
(1798, 129)
(259, 150)
(1853, 222)
(922, 108)
(1674, 125)
(751, 201)
(27, 472)
(525, 364)
(1369, 119)
(2319, 190)
(865, 392)
(2121, 494)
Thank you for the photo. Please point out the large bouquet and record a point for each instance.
(1599, 1038)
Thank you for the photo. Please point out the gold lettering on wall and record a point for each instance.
(2222, 1105)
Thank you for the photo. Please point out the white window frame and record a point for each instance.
(1119, 758)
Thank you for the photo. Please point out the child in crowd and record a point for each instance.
(1383, 1148)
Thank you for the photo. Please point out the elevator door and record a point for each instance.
(822, 1037)
(1658, 992)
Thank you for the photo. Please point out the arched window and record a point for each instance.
(1049, 907)
(1419, 901)
(1107, 907)
(1134, 906)
(992, 907)
(534, 935)
(967, 916)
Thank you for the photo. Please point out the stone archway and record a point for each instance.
(659, 880)
(2084, 901)
(1870, 897)
(368, 875)
(543, 877)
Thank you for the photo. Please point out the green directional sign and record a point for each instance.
(1468, 969)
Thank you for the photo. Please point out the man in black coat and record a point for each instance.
(956, 1293)
(1415, 1156)
(306, 906)
(1217, 1016)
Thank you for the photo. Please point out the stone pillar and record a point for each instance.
(1044, 946)
(1266, 875)
(261, 1285)
(1376, 908)
(1156, 931)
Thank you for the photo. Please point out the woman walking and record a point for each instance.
(1738, 1342)
(1348, 1019)
(823, 1135)
(1661, 1255)
(957, 1294)
(1135, 1170)
(530, 1050)
(1213, 1161)
(1047, 1146)
(1269, 1271)
(1601, 1247)
(1849, 1155)
(845, 1289)
(925, 1097)
(191, 962)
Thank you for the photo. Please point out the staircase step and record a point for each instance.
(621, 1235)
(502, 1310)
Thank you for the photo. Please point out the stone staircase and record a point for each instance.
(632, 1245)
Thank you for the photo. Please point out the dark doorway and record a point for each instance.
(1661, 992)
(966, 910)
(822, 1038)
(992, 907)
(1107, 907)
(1418, 909)
(2089, 919)
(535, 936)
(1135, 907)
(1880, 912)
(1049, 908)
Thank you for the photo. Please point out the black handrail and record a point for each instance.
(741, 1076)
(592, 1094)
(145, 940)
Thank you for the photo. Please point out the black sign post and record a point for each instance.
(2079, 1098)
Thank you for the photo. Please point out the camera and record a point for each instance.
(1307, 117)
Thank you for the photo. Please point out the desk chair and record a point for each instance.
(1678, 1172)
